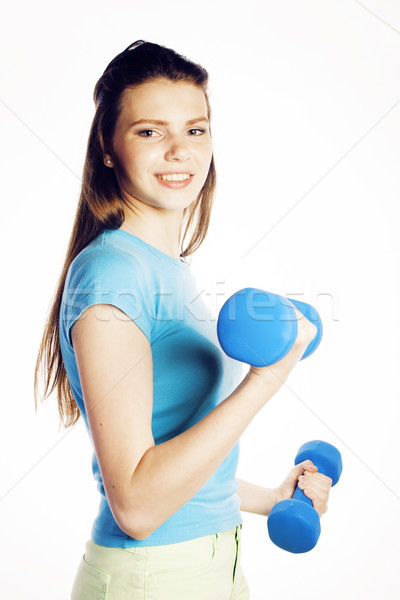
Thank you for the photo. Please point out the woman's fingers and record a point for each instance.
(316, 487)
(305, 466)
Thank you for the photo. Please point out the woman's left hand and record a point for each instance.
(314, 485)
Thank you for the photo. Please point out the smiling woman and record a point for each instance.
(133, 349)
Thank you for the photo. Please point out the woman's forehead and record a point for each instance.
(163, 96)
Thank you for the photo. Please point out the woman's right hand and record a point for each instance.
(277, 373)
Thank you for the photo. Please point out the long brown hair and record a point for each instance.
(101, 204)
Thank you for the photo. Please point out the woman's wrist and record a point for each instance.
(256, 499)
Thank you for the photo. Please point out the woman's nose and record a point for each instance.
(177, 150)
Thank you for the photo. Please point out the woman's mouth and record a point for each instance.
(175, 180)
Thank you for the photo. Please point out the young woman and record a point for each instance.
(132, 349)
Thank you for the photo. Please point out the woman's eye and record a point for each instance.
(197, 129)
(144, 132)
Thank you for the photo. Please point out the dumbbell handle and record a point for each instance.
(322, 468)
(300, 495)
(325, 457)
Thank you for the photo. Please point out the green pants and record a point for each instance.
(205, 568)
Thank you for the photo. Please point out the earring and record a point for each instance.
(108, 161)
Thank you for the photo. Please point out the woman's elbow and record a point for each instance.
(136, 526)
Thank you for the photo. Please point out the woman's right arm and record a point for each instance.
(146, 483)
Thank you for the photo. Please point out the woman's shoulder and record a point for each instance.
(103, 259)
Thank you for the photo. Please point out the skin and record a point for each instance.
(154, 213)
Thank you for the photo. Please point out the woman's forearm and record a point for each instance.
(171, 473)
(255, 499)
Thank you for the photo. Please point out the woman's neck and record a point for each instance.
(162, 231)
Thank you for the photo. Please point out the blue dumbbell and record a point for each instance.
(294, 524)
(259, 328)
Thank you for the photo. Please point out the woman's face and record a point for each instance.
(172, 137)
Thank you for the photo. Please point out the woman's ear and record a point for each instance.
(108, 161)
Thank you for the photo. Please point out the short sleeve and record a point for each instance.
(106, 275)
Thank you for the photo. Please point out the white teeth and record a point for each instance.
(174, 177)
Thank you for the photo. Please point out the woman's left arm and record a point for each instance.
(259, 500)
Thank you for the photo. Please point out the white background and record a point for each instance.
(306, 112)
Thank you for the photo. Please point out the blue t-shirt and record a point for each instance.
(191, 373)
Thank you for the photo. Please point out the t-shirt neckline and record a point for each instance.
(181, 263)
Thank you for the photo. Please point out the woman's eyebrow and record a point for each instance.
(158, 122)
